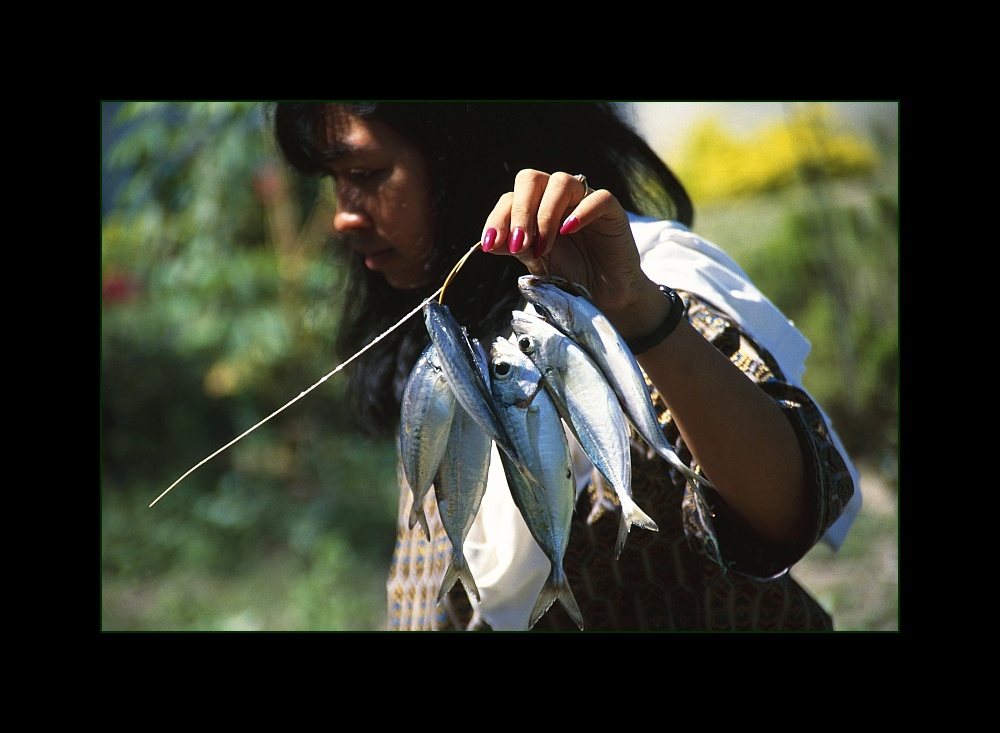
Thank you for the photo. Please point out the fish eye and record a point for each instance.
(525, 344)
(501, 369)
(543, 311)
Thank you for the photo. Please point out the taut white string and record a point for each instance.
(400, 322)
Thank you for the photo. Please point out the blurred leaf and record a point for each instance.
(718, 166)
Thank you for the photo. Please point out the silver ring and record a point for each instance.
(586, 186)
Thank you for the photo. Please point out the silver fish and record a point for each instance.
(463, 362)
(579, 319)
(426, 416)
(531, 419)
(460, 487)
(461, 365)
(589, 406)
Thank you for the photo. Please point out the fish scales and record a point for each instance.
(426, 415)
(589, 406)
(532, 420)
(463, 368)
(579, 319)
(459, 487)
(464, 363)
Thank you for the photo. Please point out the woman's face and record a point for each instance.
(383, 197)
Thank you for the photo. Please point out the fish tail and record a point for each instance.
(632, 515)
(696, 479)
(684, 469)
(417, 515)
(458, 570)
(556, 588)
(623, 527)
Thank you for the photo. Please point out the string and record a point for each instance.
(455, 269)
(400, 322)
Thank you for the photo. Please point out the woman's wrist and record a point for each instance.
(643, 315)
(666, 326)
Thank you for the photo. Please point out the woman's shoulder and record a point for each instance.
(668, 236)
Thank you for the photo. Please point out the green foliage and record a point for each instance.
(718, 166)
(197, 239)
(809, 209)
(833, 267)
(257, 552)
(218, 303)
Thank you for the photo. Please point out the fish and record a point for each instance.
(426, 416)
(460, 486)
(463, 367)
(698, 526)
(464, 363)
(577, 317)
(529, 415)
(589, 405)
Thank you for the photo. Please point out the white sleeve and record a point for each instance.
(674, 256)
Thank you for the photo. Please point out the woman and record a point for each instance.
(413, 182)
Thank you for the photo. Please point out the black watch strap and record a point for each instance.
(677, 310)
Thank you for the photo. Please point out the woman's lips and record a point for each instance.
(375, 260)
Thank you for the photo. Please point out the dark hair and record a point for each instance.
(473, 151)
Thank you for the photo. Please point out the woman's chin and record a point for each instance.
(406, 282)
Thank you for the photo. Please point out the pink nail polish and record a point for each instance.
(516, 240)
(569, 226)
(489, 239)
(538, 248)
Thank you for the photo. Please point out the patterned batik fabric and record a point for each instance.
(702, 571)
(417, 569)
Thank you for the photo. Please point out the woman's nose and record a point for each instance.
(351, 214)
(347, 220)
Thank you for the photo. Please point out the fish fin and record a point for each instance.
(597, 509)
(674, 460)
(465, 575)
(602, 496)
(704, 482)
(623, 528)
(517, 475)
(458, 570)
(632, 515)
(417, 515)
(556, 588)
(694, 477)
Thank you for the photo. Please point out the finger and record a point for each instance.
(529, 186)
(497, 227)
(589, 210)
(561, 195)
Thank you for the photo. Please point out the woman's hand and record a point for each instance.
(555, 227)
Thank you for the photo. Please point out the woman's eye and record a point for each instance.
(363, 175)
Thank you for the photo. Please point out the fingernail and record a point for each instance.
(489, 239)
(569, 226)
(516, 240)
(538, 248)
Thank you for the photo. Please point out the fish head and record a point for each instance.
(552, 303)
(431, 311)
(514, 378)
(439, 316)
(436, 318)
(534, 281)
(446, 332)
(535, 337)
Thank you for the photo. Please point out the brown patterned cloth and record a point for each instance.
(665, 580)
